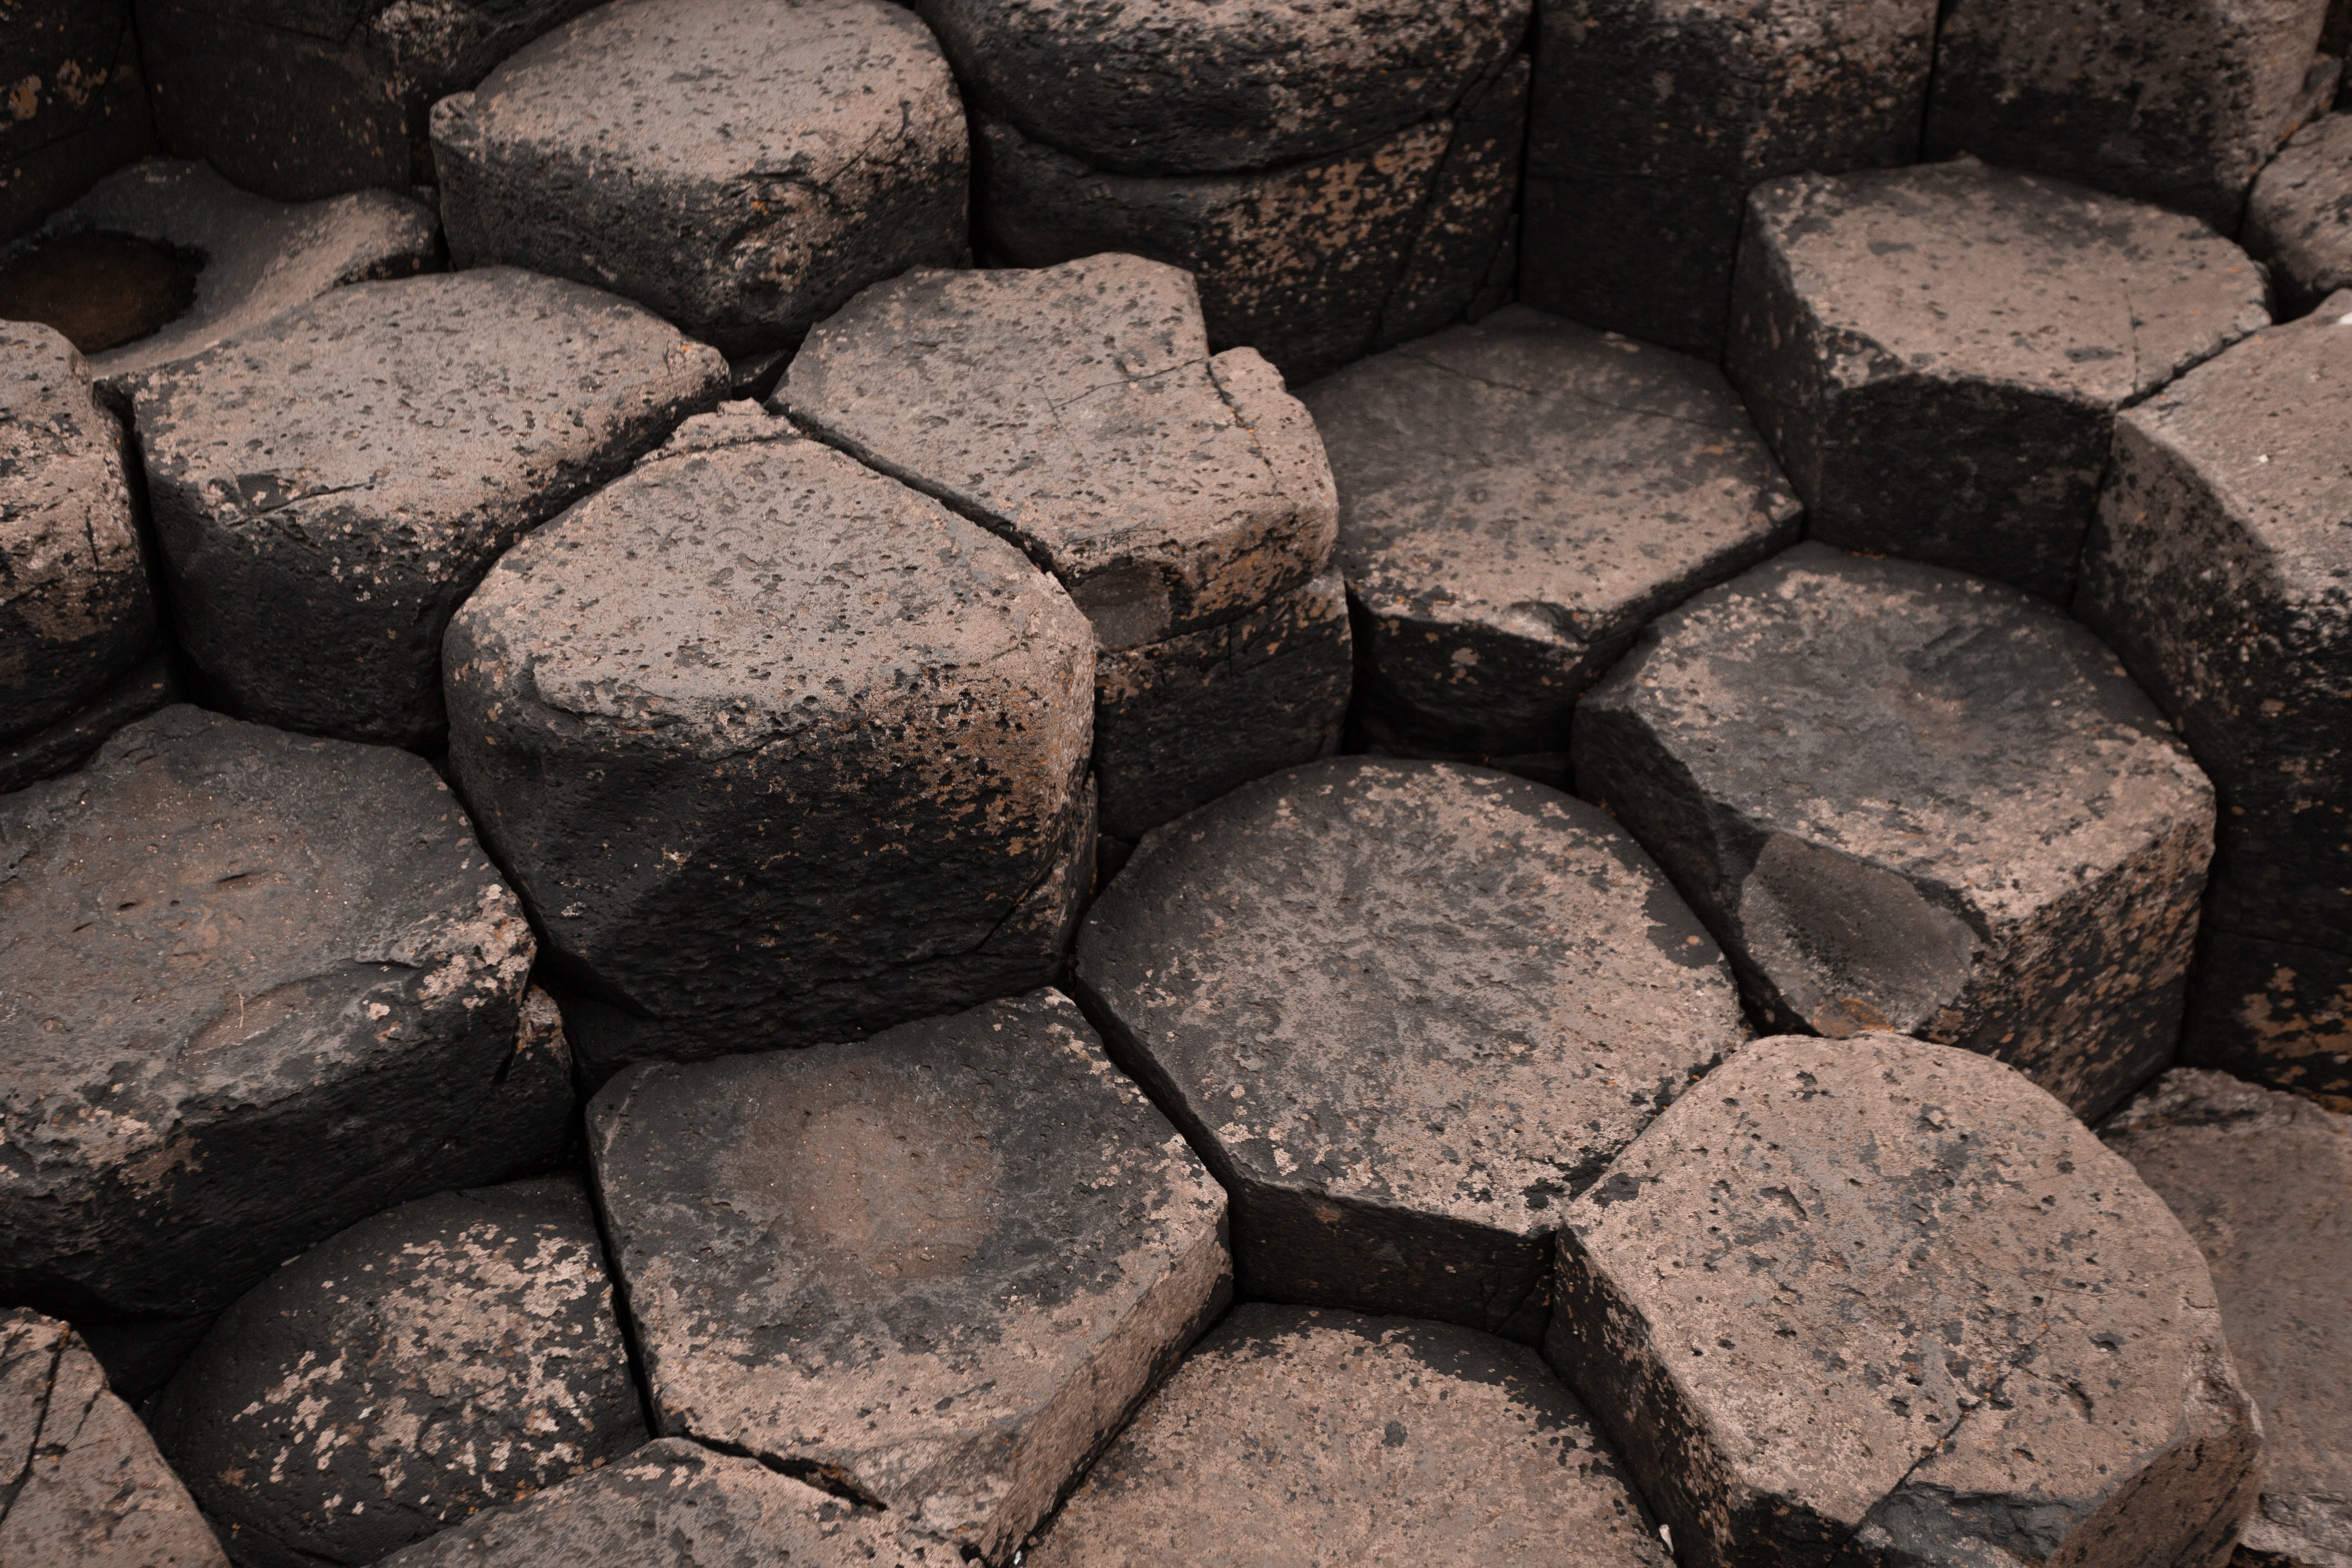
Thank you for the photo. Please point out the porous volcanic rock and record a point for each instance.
(2300, 218)
(742, 170)
(1325, 1437)
(2262, 1181)
(1516, 498)
(253, 986)
(328, 487)
(2178, 102)
(1405, 1010)
(81, 1485)
(1883, 1292)
(1183, 499)
(450, 1354)
(1938, 354)
(1909, 799)
(76, 107)
(1634, 191)
(938, 1267)
(776, 749)
(77, 617)
(2217, 568)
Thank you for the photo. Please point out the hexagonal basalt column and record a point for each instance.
(1405, 1009)
(1516, 498)
(2218, 569)
(2300, 218)
(1908, 799)
(1938, 353)
(778, 749)
(1877, 1299)
(1182, 500)
(328, 487)
(936, 1267)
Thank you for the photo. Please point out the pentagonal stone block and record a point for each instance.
(1516, 498)
(329, 487)
(742, 170)
(2300, 218)
(450, 1354)
(256, 986)
(78, 105)
(1938, 353)
(1182, 500)
(1633, 202)
(2262, 1181)
(1911, 800)
(936, 1267)
(1405, 1010)
(76, 618)
(2174, 101)
(1329, 1438)
(1882, 1300)
(85, 1487)
(2217, 569)
(777, 750)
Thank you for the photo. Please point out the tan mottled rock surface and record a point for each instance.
(2300, 216)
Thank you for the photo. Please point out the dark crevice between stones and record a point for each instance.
(100, 289)
(623, 1318)
(831, 1480)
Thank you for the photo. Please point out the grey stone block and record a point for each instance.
(2300, 218)
(76, 107)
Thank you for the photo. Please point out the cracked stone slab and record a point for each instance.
(2178, 102)
(1516, 498)
(1324, 1436)
(1880, 1299)
(327, 488)
(1938, 354)
(777, 749)
(1076, 411)
(1909, 799)
(1405, 1010)
(253, 986)
(77, 104)
(1633, 202)
(76, 618)
(1147, 87)
(936, 1268)
(1313, 264)
(2262, 1181)
(741, 169)
(450, 1354)
(2299, 218)
(81, 1485)
(2217, 569)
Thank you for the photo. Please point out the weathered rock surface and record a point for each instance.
(327, 488)
(2300, 218)
(1634, 193)
(1881, 1290)
(453, 1354)
(2262, 1182)
(741, 169)
(41, 753)
(303, 99)
(253, 986)
(77, 104)
(81, 1485)
(77, 617)
(1321, 1437)
(1516, 498)
(1405, 1010)
(1912, 800)
(936, 1267)
(777, 750)
(2178, 102)
(1938, 353)
(676, 1501)
(1182, 500)
(2217, 569)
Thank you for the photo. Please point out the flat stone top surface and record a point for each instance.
(1075, 408)
(1534, 474)
(1410, 982)
(1939, 726)
(1296, 1438)
(1964, 272)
